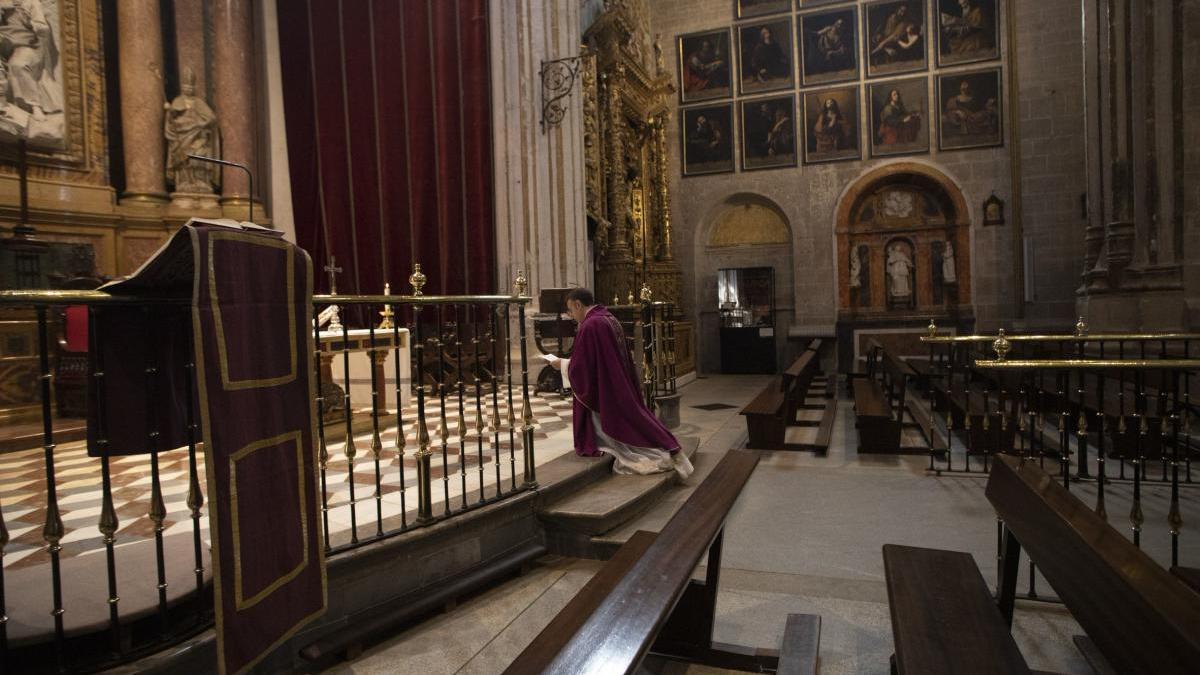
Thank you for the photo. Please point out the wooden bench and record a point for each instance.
(1139, 618)
(770, 414)
(644, 600)
(879, 401)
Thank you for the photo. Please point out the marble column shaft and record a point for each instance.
(141, 67)
(234, 92)
(189, 42)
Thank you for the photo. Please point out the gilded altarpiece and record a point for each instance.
(626, 97)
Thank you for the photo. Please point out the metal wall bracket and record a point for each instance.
(558, 80)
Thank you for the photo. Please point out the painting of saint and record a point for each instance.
(766, 56)
(31, 78)
(745, 9)
(899, 125)
(894, 32)
(829, 46)
(969, 110)
(968, 30)
(831, 125)
(707, 139)
(768, 133)
(704, 66)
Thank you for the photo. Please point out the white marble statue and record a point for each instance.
(899, 269)
(949, 274)
(190, 127)
(855, 269)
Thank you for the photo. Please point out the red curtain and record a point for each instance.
(388, 112)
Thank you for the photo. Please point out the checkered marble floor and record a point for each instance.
(23, 480)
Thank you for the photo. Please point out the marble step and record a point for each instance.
(607, 503)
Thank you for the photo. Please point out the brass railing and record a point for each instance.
(468, 360)
(1085, 402)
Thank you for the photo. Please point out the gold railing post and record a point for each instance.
(519, 288)
(423, 451)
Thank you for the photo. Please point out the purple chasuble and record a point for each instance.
(604, 381)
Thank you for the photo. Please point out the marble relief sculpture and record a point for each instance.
(31, 84)
(190, 127)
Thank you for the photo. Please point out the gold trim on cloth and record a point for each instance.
(294, 438)
(255, 240)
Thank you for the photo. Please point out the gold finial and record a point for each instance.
(1081, 328)
(629, 300)
(932, 328)
(417, 279)
(616, 299)
(646, 294)
(387, 314)
(108, 519)
(521, 285)
(1001, 346)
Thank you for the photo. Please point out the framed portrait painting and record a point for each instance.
(768, 133)
(894, 37)
(899, 122)
(967, 31)
(705, 70)
(748, 9)
(765, 51)
(970, 110)
(831, 125)
(707, 139)
(828, 46)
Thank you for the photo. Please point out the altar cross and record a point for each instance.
(332, 271)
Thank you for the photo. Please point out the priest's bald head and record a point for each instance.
(579, 301)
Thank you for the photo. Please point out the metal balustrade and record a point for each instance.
(468, 360)
(1094, 409)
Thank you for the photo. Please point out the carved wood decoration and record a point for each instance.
(903, 246)
(626, 114)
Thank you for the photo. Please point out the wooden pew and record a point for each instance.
(774, 409)
(879, 402)
(644, 600)
(1137, 615)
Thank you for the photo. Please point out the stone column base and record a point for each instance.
(668, 410)
(188, 204)
(1158, 311)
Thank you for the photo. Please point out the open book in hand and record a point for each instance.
(562, 367)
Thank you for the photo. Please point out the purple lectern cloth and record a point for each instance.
(604, 381)
(246, 306)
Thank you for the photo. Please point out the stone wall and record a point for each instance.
(1049, 108)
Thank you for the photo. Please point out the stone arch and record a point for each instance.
(747, 219)
(742, 229)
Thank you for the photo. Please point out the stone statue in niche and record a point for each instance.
(936, 268)
(190, 127)
(949, 274)
(900, 275)
(855, 270)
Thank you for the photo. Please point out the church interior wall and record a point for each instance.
(1049, 163)
(1190, 85)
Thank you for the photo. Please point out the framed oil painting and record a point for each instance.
(747, 9)
(765, 51)
(768, 133)
(805, 4)
(828, 46)
(968, 31)
(894, 37)
(707, 135)
(705, 70)
(970, 110)
(831, 125)
(899, 122)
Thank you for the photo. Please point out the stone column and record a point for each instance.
(139, 38)
(234, 100)
(190, 43)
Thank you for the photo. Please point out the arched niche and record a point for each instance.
(920, 208)
(742, 230)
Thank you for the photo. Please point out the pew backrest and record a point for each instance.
(622, 627)
(1140, 617)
